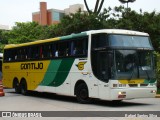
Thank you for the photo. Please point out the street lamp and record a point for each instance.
(126, 1)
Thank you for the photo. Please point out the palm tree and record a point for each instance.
(98, 6)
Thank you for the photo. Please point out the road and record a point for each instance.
(52, 102)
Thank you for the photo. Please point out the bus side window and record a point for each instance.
(67, 51)
(37, 52)
(72, 48)
(15, 55)
(79, 47)
(29, 53)
(56, 53)
(75, 51)
(53, 50)
(50, 51)
(41, 52)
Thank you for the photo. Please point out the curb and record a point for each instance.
(157, 96)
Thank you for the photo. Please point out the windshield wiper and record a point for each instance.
(131, 75)
(147, 75)
(133, 71)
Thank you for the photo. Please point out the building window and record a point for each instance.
(56, 16)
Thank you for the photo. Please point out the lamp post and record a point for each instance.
(127, 1)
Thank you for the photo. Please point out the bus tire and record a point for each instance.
(23, 86)
(116, 102)
(82, 93)
(16, 86)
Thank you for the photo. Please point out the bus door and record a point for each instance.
(103, 73)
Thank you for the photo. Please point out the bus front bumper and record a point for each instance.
(132, 93)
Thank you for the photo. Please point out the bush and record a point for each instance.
(158, 68)
(158, 84)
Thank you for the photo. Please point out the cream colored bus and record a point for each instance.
(108, 64)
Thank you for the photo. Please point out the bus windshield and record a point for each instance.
(133, 64)
(132, 56)
(131, 41)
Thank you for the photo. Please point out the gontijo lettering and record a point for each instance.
(25, 66)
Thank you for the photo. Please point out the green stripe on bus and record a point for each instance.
(51, 72)
(63, 72)
(149, 81)
(73, 36)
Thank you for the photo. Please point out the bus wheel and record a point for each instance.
(82, 93)
(16, 86)
(116, 102)
(23, 86)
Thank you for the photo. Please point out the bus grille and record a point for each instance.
(133, 85)
(143, 85)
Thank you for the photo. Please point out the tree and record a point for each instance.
(76, 23)
(98, 6)
(115, 18)
(142, 21)
(27, 32)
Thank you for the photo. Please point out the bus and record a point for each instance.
(106, 64)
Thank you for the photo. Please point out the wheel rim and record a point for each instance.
(83, 94)
(23, 89)
(16, 87)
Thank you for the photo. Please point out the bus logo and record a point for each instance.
(80, 65)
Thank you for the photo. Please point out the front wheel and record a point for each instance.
(115, 102)
(82, 93)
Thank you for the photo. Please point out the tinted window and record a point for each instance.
(129, 41)
(58, 49)
(99, 40)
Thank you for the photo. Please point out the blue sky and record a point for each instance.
(12, 11)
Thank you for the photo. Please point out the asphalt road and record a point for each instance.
(52, 102)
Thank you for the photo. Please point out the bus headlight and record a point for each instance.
(153, 91)
(121, 94)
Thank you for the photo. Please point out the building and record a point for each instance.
(53, 16)
(4, 27)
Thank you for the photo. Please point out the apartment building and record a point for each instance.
(53, 16)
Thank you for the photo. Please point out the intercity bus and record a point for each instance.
(107, 64)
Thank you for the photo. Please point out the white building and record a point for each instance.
(4, 27)
(73, 8)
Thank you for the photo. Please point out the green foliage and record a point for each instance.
(158, 91)
(158, 68)
(75, 23)
(123, 18)
(3, 39)
(27, 32)
(111, 18)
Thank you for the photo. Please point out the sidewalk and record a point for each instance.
(158, 96)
